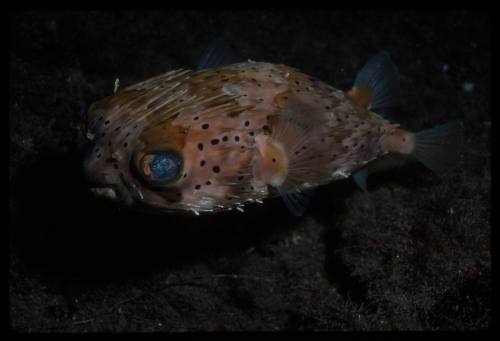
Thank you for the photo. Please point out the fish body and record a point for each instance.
(217, 139)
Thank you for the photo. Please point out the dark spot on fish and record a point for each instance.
(128, 134)
(266, 128)
(135, 126)
(245, 95)
(117, 128)
(297, 82)
(107, 122)
(322, 140)
(237, 138)
(195, 118)
(202, 163)
(296, 152)
(100, 118)
(362, 146)
(327, 107)
(258, 84)
(200, 146)
(251, 133)
(96, 150)
(254, 80)
(269, 76)
(247, 123)
(125, 144)
(216, 169)
(185, 175)
(224, 138)
(240, 177)
(242, 147)
(298, 90)
(208, 183)
(260, 99)
(205, 126)
(197, 187)
(115, 166)
(251, 187)
(214, 141)
(99, 155)
(304, 147)
(285, 97)
(274, 160)
(404, 139)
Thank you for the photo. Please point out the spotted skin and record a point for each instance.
(214, 118)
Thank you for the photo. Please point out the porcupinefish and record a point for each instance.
(223, 136)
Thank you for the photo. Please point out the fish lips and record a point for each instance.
(107, 183)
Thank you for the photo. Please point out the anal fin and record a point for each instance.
(360, 177)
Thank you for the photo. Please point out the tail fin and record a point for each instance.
(439, 148)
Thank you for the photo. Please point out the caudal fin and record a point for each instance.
(439, 148)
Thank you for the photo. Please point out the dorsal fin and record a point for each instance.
(217, 53)
(377, 84)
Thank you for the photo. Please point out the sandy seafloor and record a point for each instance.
(413, 253)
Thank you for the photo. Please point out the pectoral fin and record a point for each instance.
(218, 53)
(297, 201)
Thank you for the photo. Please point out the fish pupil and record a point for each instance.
(165, 166)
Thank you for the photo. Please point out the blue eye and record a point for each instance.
(164, 166)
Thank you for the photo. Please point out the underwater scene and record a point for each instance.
(249, 170)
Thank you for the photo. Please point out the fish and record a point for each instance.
(228, 134)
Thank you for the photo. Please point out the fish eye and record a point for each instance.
(161, 168)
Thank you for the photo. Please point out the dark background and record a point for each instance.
(413, 253)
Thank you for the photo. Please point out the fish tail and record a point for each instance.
(439, 148)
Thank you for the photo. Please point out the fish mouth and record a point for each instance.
(117, 192)
(106, 192)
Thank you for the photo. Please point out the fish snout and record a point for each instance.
(101, 178)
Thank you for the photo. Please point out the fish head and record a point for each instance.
(164, 151)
